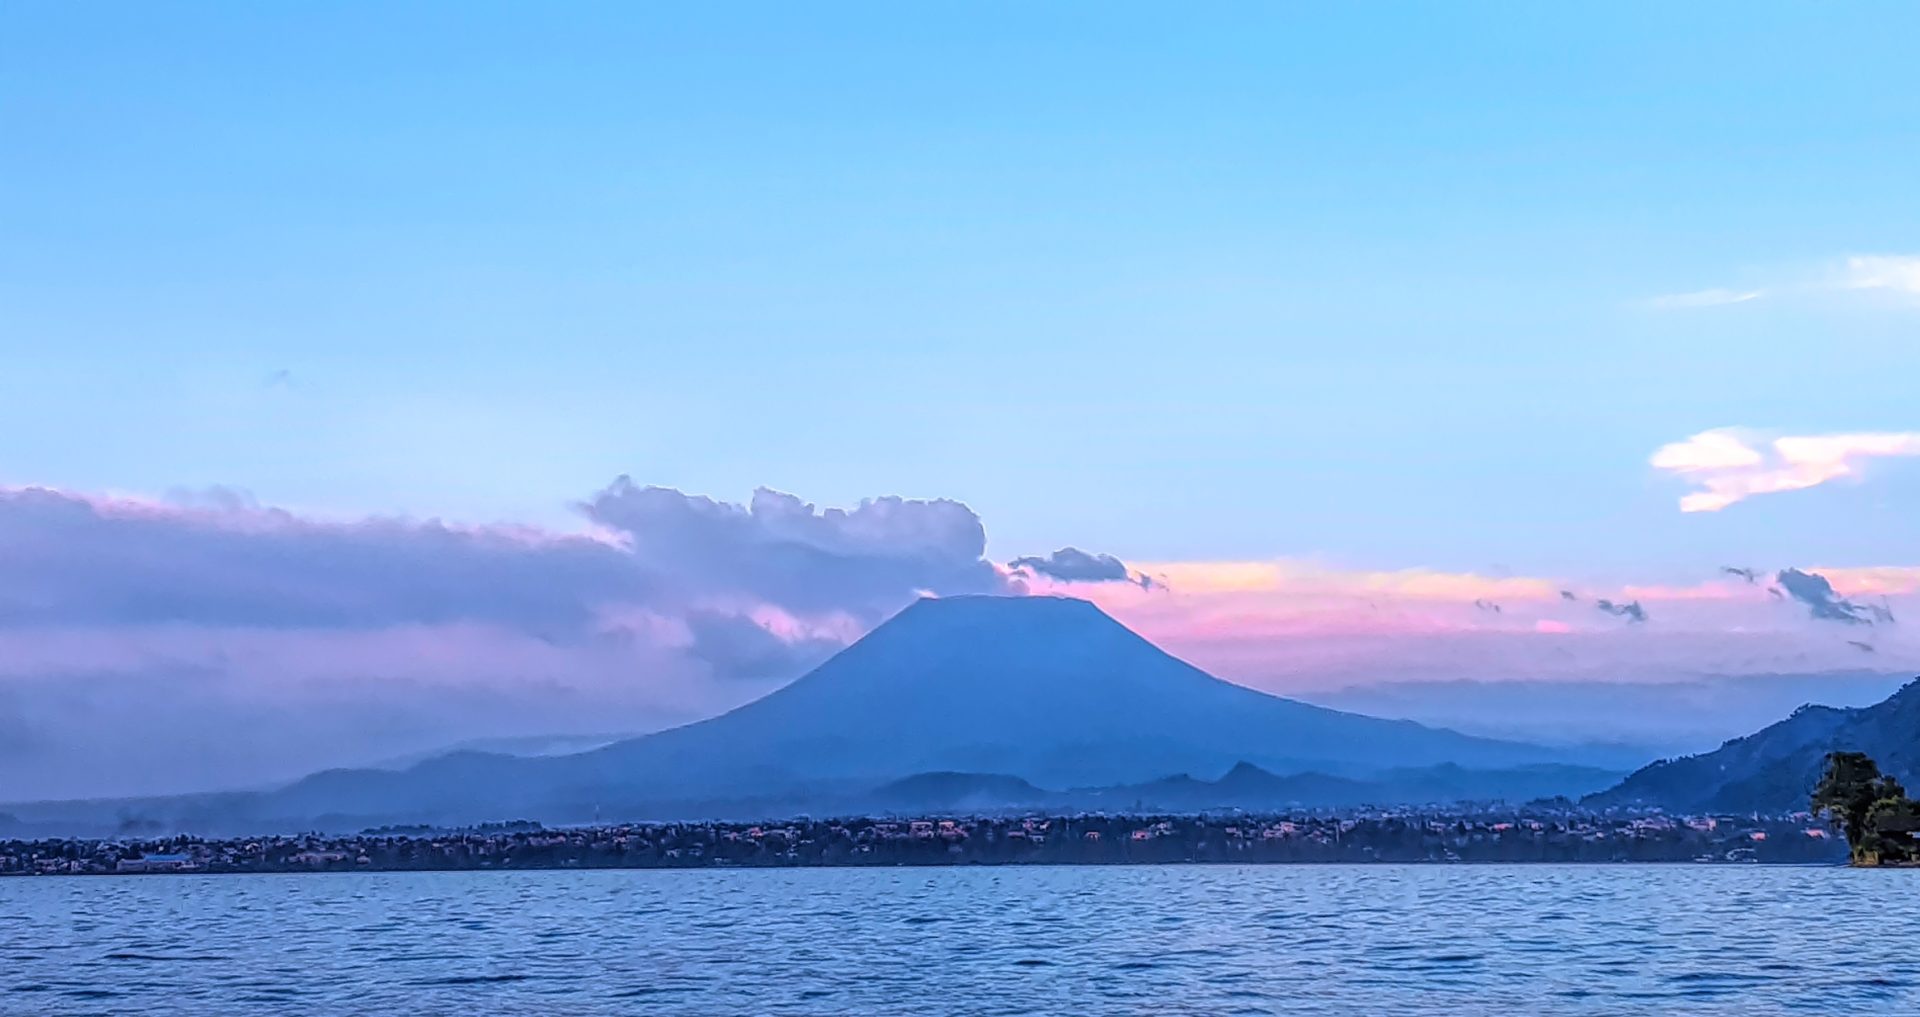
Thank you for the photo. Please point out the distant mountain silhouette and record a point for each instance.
(1250, 787)
(1774, 769)
(1049, 690)
(957, 791)
(1246, 787)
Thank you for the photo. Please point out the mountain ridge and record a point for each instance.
(1248, 787)
(1775, 768)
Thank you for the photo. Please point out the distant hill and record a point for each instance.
(1774, 769)
(525, 745)
(1050, 690)
(1246, 787)
(979, 792)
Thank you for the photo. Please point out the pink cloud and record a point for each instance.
(1730, 465)
(1293, 626)
(147, 646)
(188, 632)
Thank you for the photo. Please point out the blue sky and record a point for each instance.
(1386, 340)
(1366, 285)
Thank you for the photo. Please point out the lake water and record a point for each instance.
(1124, 940)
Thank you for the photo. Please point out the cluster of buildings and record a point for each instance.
(1380, 836)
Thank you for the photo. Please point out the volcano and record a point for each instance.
(1048, 690)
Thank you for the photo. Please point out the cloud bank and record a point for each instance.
(1729, 465)
(1295, 627)
(151, 647)
(207, 642)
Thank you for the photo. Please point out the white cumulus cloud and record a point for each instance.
(1729, 465)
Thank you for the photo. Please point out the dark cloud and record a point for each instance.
(1072, 565)
(778, 549)
(1750, 575)
(1813, 590)
(1632, 612)
(1489, 606)
(220, 560)
(69, 560)
(1569, 595)
(1862, 647)
(220, 641)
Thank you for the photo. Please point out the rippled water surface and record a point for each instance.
(1185, 939)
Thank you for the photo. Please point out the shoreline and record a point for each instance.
(1441, 838)
(1328, 864)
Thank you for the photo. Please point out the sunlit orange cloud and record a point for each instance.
(1291, 625)
(1313, 580)
(1883, 580)
(1317, 582)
